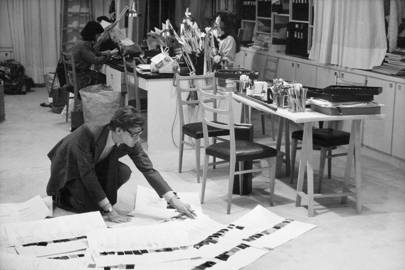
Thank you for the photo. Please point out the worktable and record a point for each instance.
(308, 118)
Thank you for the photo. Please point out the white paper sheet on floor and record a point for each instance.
(251, 236)
(12, 262)
(162, 242)
(57, 235)
(268, 230)
(33, 209)
(150, 208)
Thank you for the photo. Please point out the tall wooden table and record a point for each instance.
(308, 118)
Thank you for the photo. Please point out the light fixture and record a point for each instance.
(132, 11)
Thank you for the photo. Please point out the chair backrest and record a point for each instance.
(70, 73)
(207, 103)
(186, 91)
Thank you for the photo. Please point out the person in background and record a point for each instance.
(86, 173)
(86, 56)
(225, 32)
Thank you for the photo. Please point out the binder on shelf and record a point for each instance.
(297, 39)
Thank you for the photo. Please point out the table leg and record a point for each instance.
(279, 162)
(306, 164)
(287, 147)
(357, 163)
(246, 114)
(307, 141)
(349, 160)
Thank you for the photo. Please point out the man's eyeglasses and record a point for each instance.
(135, 134)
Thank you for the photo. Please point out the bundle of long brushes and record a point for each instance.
(297, 97)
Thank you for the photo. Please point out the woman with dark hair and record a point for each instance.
(85, 56)
(225, 32)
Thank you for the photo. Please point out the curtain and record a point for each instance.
(349, 33)
(395, 16)
(35, 35)
(100, 8)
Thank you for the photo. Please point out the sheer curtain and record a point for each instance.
(349, 33)
(35, 35)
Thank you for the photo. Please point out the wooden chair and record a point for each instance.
(236, 152)
(325, 140)
(71, 79)
(187, 98)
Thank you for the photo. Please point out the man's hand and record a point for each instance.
(182, 207)
(115, 217)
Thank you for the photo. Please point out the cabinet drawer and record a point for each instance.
(347, 78)
(272, 64)
(114, 78)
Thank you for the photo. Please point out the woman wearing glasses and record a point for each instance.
(86, 173)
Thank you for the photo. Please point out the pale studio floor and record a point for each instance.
(342, 239)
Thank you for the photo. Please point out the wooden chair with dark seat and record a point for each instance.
(187, 99)
(234, 151)
(71, 79)
(325, 140)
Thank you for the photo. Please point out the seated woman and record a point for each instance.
(85, 56)
(225, 32)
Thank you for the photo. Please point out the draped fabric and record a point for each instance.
(35, 35)
(396, 14)
(349, 33)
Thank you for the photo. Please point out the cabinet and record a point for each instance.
(256, 61)
(115, 79)
(239, 59)
(6, 54)
(270, 68)
(348, 78)
(262, 62)
(398, 131)
(325, 77)
(298, 72)
(377, 134)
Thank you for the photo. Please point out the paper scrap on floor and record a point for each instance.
(33, 209)
(51, 236)
(150, 208)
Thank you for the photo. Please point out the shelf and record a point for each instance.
(261, 32)
(271, 20)
(298, 21)
(78, 12)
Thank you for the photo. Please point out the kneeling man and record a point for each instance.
(86, 173)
